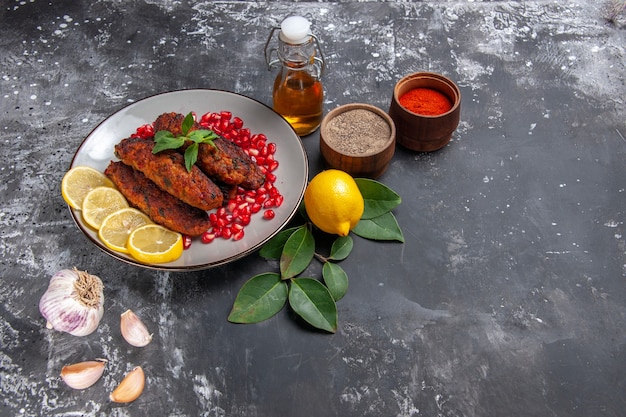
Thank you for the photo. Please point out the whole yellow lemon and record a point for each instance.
(333, 202)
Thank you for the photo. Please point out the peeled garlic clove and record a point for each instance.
(130, 388)
(133, 330)
(83, 374)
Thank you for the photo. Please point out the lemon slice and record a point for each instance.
(99, 203)
(154, 244)
(78, 181)
(117, 226)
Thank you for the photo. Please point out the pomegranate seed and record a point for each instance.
(226, 115)
(270, 177)
(239, 235)
(208, 237)
(279, 200)
(269, 214)
(271, 147)
(256, 207)
(238, 123)
(186, 242)
(226, 233)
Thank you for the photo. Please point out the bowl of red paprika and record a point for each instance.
(426, 109)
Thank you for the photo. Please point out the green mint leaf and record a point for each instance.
(164, 140)
(202, 136)
(383, 227)
(379, 199)
(187, 124)
(336, 280)
(312, 301)
(274, 247)
(341, 248)
(191, 156)
(297, 253)
(259, 298)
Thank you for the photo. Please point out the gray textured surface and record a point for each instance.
(507, 299)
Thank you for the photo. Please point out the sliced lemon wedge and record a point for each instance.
(154, 244)
(117, 227)
(99, 203)
(78, 182)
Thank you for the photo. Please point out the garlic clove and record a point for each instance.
(83, 374)
(133, 330)
(130, 388)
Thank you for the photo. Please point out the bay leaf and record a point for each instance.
(378, 198)
(274, 247)
(383, 227)
(312, 301)
(260, 298)
(297, 253)
(336, 280)
(341, 248)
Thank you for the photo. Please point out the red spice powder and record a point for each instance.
(425, 101)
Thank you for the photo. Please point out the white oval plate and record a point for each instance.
(291, 175)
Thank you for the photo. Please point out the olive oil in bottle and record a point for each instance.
(298, 94)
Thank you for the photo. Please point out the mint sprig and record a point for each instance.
(166, 140)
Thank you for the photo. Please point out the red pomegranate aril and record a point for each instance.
(186, 242)
(245, 219)
(273, 165)
(237, 122)
(226, 114)
(260, 160)
(269, 214)
(208, 237)
(226, 233)
(256, 207)
(239, 235)
(271, 148)
(270, 177)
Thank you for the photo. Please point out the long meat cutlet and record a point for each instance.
(225, 162)
(162, 207)
(167, 170)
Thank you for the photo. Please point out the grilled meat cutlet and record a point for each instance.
(167, 170)
(228, 163)
(172, 122)
(225, 162)
(162, 207)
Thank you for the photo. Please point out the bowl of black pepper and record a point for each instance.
(359, 139)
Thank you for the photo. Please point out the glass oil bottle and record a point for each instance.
(297, 93)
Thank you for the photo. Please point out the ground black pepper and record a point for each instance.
(357, 132)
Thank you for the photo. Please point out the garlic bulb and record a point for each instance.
(130, 388)
(73, 302)
(83, 374)
(133, 330)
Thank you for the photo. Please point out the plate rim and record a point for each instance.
(177, 268)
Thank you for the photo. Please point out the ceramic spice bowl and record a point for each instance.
(425, 132)
(359, 139)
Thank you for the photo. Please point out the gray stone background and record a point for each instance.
(507, 298)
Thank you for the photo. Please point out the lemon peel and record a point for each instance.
(333, 202)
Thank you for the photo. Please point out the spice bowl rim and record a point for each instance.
(432, 76)
(354, 106)
(370, 164)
